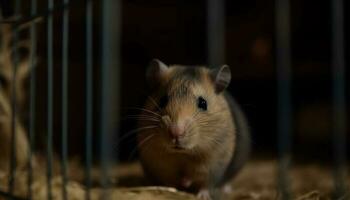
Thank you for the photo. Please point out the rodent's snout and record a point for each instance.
(176, 129)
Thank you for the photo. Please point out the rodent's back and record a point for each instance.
(242, 139)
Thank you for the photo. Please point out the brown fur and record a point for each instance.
(209, 143)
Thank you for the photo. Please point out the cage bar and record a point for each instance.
(110, 82)
(49, 99)
(339, 99)
(65, 51)
(216, 32)
(37, 17)
(284, 109)
(13, 160)
(89, 96)
(33, 46)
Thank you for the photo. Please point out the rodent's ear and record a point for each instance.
(156, 71)
(221, 77)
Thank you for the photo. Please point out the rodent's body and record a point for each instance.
(171, 168)
(193, 142)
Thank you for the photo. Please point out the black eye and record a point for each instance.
(163, 101)
(202, 103)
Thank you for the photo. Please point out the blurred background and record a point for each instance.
(174, 31)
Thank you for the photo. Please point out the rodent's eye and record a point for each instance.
(202, 103)
(163, 101)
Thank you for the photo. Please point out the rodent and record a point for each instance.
(194, 135)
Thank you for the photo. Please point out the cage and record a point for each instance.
(72, 80)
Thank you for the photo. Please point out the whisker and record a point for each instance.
(140, 144)
(142, 119)
(209, 124)
(210, 127)
(212, 139)
(155, 103)
(218, 111)
(193, 119)
(142, 116)
(198, 118)
(146, 110)
(130, 133)
(138, 130)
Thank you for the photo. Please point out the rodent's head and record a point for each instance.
(190, 104)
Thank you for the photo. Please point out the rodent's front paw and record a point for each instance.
(204, 194)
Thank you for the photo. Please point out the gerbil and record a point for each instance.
(194, 135)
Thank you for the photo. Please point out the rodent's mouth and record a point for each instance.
(177, 148)
(177, 145)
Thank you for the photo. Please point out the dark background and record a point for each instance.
(175, 32)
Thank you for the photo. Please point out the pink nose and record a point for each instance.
(177, 130)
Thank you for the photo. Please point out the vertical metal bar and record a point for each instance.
(32, 97)
(89, 96)
(216, 32)
(65, 52)
(49, 98)
(339, 99)
(13, 160)
(283, 62)
(110, 81)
